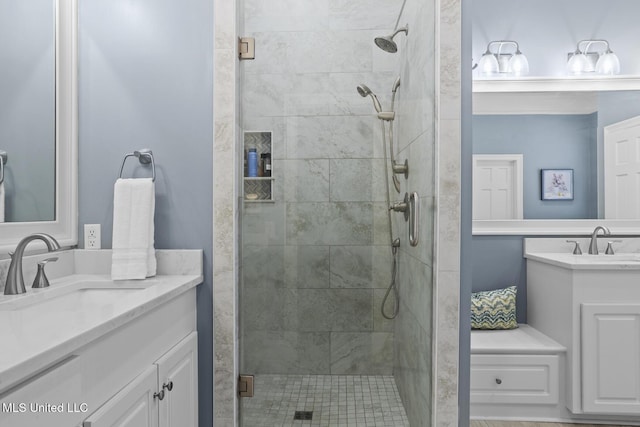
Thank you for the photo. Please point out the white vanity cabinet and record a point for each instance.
(178, 377)
(134, 406)
(117, 374)
(164, 395)
(595, 313)
(611, 358)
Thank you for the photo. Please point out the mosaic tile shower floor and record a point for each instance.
(336, 401)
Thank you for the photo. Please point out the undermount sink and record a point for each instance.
(585, 261)
(64, 297)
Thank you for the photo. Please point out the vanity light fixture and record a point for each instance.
(494, 63)
(582, 62)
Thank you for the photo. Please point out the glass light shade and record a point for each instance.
(518, 65)
(488, 65)
(608, 64)
(578, 64)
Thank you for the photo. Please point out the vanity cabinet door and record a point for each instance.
(177, 376)
(46, 399)
(611, 358)
(133, 406)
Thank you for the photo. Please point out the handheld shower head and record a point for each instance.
(387, 44)
(364, 91)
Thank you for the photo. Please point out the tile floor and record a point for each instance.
(336, 401)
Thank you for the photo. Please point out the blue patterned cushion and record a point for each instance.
(494, 309)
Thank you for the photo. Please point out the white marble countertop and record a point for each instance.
(588, 262)
(34, 337)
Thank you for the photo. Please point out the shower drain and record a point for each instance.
(303, 415)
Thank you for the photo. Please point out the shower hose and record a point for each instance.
(395, 243)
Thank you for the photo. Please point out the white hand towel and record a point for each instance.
(133, 231)
(2, 201)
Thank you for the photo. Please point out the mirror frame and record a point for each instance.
(552, 227)
(65, 226)
(577, 93)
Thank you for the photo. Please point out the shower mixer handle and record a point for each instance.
(398, 207)
(402, 206)
(401, 168)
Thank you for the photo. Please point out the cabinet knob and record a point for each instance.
(498, 381)
(168, 386)
(159, 395)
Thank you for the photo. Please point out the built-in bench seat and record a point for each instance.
(523, 340)
(514, 372)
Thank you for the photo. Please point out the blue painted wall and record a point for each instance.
(497, 262)
(617, 106)
(546, 142)
(145, 80)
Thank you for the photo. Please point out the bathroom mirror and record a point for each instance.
(39, 119)
(554, 130)
(27, 110)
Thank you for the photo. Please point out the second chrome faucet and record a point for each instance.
(593, 245)
(15, 280)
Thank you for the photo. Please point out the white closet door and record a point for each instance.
(622, 170)
(497, 186)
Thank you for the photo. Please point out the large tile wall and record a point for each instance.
(416, 139)
(316, 262)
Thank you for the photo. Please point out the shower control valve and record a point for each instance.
(398, 207)
(402, 206)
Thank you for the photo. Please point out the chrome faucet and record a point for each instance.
(593, 246)
(15, 280)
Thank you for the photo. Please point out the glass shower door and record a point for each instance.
(316, 259)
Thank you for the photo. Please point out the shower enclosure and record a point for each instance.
(316, 255)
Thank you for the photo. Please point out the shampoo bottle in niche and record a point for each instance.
(266, 164)
(252, 163)
(245, 173)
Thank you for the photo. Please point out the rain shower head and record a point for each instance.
(364, 91)
(387, 44)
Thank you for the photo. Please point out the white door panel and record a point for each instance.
(622, 169)
(497, 186)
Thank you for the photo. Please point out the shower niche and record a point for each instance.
(258, 173)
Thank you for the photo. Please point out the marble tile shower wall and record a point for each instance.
(316, 262)
(412, 365)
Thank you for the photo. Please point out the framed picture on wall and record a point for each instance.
(556, 184)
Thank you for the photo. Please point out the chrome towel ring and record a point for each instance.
(145, 156)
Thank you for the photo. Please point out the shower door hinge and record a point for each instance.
(246, 48)
(245, 386)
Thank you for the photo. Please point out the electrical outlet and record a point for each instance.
(92, 236)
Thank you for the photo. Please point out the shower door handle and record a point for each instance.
(414, 208)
